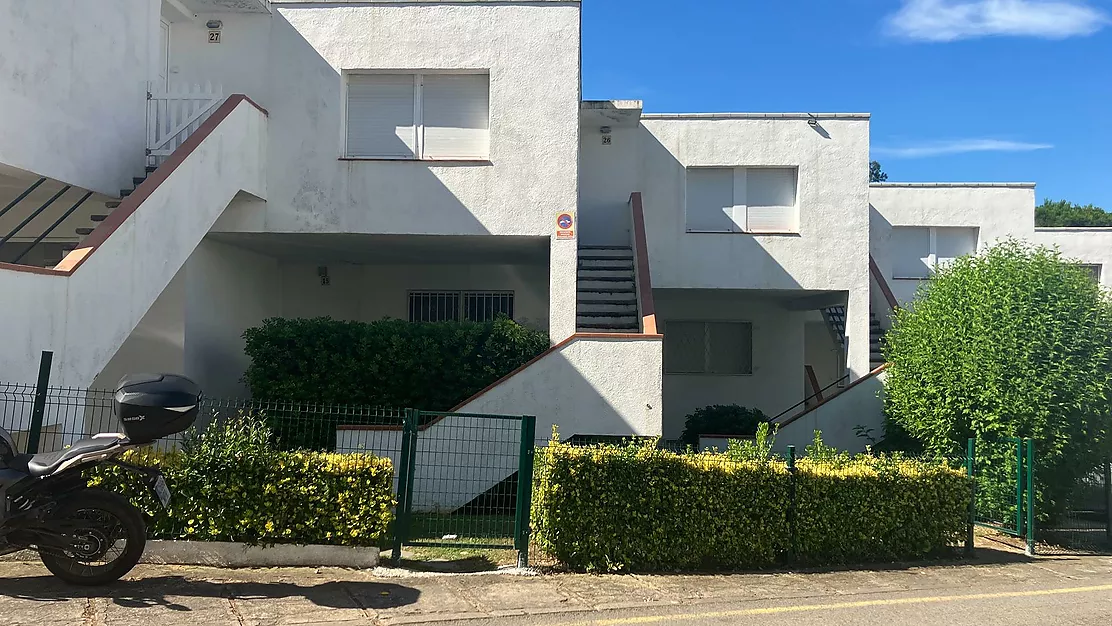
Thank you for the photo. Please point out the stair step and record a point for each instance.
(612, 277)
(137, 180)
(624, 258)
(614, 314)
(125, 192)
(598, 290)
(600, 327)
(626, 264)
(600, 247)
(607, 308)
(98, 218)
(151, 168)
(85, 230)
(614, 301)
(112, 204)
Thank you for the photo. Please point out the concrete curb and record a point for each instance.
(225, 554)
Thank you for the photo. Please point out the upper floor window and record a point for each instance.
(742, 200)
(714, 348)
(418, 116)
(918, 250)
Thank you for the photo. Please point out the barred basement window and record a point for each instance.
(452, 306)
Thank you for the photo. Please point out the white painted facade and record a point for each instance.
(754, 222)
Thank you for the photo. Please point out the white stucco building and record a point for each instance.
(172, 172)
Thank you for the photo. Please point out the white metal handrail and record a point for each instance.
(174, 114)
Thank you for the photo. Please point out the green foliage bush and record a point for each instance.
(638, 508)
(230, 484)
(393, 363)
(1013, 342)
(1063, 213)
(722, 419)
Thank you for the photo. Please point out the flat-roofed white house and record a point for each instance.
(172, 172)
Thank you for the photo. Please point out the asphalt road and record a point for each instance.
(1090, 604)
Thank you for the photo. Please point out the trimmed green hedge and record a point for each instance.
(230, 484)
(609, 508)
(432, 366)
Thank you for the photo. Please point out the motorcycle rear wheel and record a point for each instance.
(109, 541)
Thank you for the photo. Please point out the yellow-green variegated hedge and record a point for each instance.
(232, 484)
(610, 508)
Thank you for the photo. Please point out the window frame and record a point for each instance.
(461, 295)
(740, 175)
(418, 77)
(932, 249)
(706, 324)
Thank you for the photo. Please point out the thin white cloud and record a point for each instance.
(951, 20)
(957, 146)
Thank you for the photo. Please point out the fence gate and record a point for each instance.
(465, 480)
(1004, 477)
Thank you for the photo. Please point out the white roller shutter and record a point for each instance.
(911, 252)
(770, 200)
(456, 116)
(380, 119)
(710, 199)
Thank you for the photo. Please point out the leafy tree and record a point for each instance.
(876, 175)
(1064, 213)
(1014, 342)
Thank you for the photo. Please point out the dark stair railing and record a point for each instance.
(32, 216)
(804, 401)
(21, 196)
(57, 222)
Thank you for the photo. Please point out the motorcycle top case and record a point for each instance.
(151, 406)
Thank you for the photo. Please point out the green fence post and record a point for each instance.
(1019, 487)
(525, 488)
(1030, 497)
(791, 503)
(970, 454)
(405, 482)
(1108, 502)
(38, 408)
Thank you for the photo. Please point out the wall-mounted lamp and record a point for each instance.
(214, 24)
(325, 280)
(812, 121)
(604, 130)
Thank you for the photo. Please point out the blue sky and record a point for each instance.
(960, 90)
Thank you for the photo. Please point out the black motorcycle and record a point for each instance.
(90, 536)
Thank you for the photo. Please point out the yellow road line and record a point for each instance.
(800, 608)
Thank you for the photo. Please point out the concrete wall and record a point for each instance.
(372, 292)
(1092, 246)
(85, 318)
(608, 174)
(777, 381)
(292, 63)
(228, 290)
(595, 398)
(862, 405)
(73, 79)
(998, 210)
(830, 252)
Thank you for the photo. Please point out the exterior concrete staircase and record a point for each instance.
(835, 318)
(607, 290)
(111, 205)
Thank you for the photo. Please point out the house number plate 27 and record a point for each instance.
(214, 36)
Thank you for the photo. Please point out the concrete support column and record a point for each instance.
(857, 333)
(563, 268)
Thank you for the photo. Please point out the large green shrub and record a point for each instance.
(1013, 342)
(386, 363)
(230, 484)
(611, 508)
(722, 419)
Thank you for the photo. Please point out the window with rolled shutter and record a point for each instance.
(418, 116)
(742, 199)
(770, 200)
(456, 116)
(710, 199)
(380, 116)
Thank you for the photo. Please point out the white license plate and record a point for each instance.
(162, 491)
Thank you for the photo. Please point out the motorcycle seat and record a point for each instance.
(39, 465)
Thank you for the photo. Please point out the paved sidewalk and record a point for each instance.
(172, 596)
